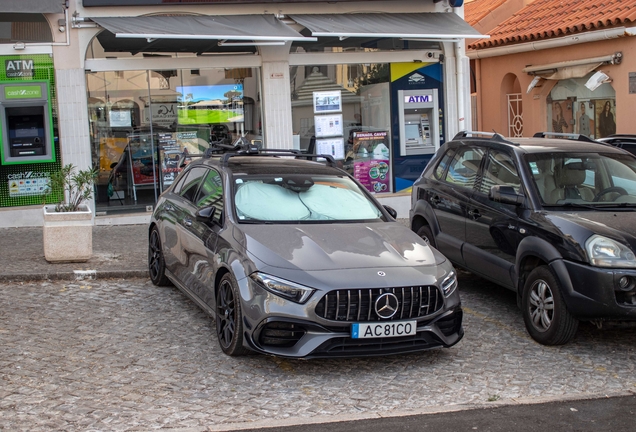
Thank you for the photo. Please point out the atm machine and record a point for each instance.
(419, 122)
(25, 123)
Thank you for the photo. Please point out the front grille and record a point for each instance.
(281, 334)
(354, 305)
(345, 346)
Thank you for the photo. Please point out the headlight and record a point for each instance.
(449, 284)
(605, 252)
(280, 287)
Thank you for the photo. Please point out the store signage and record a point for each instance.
(418, 99)
(23, 92)
(22, 68)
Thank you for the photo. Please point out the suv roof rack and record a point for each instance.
(494, 136)
(242, 147)
(575, 137)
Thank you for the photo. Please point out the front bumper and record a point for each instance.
(593, 293)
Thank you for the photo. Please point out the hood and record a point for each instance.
(581, 225)
(314, 247)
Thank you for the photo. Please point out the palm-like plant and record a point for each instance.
(73, 187)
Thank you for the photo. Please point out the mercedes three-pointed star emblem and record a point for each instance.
(386, 305)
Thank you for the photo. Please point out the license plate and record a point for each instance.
(384, 329)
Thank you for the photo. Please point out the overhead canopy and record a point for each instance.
(33, 6)
(228, 27)
(387, 25)
(571, 68)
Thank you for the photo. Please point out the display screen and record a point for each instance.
(27, 130)
(412, 132)
(222, 103)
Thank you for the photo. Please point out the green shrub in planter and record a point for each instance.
(74, 187)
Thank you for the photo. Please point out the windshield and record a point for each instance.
(301, 198)
(586, 178)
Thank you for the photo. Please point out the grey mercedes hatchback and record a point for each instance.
(293, 257)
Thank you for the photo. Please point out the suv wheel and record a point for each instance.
(156, 263)
(427, 235)
(229, 319)
(544, 312)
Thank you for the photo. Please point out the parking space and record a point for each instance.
(123, 354)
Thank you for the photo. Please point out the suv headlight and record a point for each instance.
(605, 252)
(286, 289)
(449, 284)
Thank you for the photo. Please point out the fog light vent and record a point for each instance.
(281, 334)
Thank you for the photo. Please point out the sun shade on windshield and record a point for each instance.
(275, 202)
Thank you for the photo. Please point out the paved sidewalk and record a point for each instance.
(118, 251)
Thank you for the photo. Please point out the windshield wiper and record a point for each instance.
(609, 207)
(614, 206)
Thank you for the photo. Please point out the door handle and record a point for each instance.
(187, 222)
(169, 207)
(474, 213)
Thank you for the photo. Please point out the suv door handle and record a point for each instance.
(474, 213)
(187, 222)
(169, 207)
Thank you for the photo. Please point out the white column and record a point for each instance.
(277, 115)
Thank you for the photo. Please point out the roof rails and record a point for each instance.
(494, 136)
(575, 137)
(242, 147)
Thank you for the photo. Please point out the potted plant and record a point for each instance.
(68, 221)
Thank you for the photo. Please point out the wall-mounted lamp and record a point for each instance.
(61, 25)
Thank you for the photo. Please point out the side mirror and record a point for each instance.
(505, 195)
(391, 211)
(206, 214)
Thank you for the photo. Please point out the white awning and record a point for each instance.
(437, 26)
(33, 6)
(262, 28)
(571, 68)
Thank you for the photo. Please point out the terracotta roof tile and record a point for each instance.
(477, 10)
(544, 19)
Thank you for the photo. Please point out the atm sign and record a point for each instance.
(23, 92)
(417, 99)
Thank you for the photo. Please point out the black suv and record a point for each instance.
(552, 219)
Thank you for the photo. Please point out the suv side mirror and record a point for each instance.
(505, 195)
(391, 211)
(206, 215)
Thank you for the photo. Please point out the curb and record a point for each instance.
(74, 275)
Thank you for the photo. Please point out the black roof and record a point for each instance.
(543, 145)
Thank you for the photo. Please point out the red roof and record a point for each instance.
(477, 10)
(545, 19)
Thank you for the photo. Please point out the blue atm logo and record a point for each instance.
(417, 99)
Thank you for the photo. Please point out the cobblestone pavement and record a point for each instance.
(125, 355)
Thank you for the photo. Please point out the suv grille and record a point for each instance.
(359, 304)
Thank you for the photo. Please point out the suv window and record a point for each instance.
(500, 170)
(211, 193)
(443, 164)
(463, 170)
(191, 183)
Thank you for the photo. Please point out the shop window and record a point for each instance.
(344, 110)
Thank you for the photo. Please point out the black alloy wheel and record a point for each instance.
(229, 320)
(156, 263)
(427, 235)
(544, 312)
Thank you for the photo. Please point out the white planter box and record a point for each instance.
(68, 236)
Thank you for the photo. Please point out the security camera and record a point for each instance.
(430, 55)
(596, 80)
(61, 29)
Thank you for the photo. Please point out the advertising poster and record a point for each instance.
(585, 118)
(331, 146)
(371, 160)
(562, 116)
(328, 125)
(327, 102)
(605, 117)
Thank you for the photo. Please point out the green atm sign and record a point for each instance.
(23, 92)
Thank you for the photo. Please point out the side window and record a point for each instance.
(464, 167)
(211, 193)
(441, 167)
(500, 170)
(191, 183)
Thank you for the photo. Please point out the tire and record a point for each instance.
(427, 235)
(229, 318)
(544, 312)
(156, 262)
